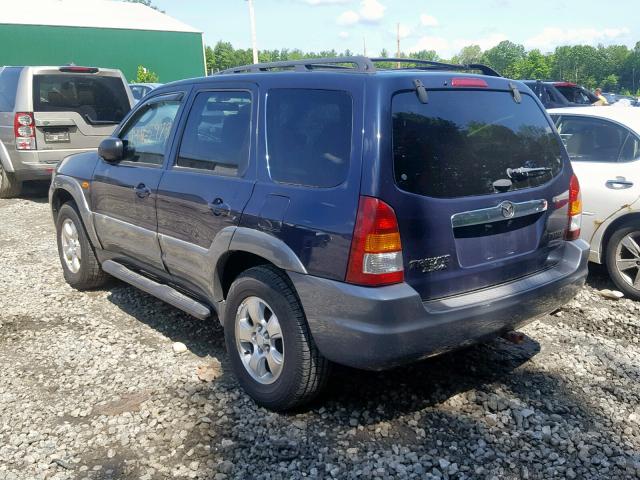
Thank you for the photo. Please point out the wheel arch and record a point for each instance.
(5, 159)
(627, 219)
(249, 248)
(65, 188)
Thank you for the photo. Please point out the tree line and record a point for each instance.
(614, 68)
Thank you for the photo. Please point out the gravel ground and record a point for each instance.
(91, 387)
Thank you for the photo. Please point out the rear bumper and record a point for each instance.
(39, 165)
(377, 328)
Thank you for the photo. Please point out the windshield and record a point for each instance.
(460, 142)
(96, 99)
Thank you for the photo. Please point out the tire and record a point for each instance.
(88, 274)
(9, 186)
(625, 273)
(302, 372)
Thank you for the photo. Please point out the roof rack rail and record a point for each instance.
(360, 64)
(354, 64)
(486, 70)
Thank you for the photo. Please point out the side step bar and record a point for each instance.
(163, 292)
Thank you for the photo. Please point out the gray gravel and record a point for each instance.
(91, 387)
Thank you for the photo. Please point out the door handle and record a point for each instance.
(142, 191)
(219, 208)
(619, 183)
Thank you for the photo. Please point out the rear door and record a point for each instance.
(76, 107)
(208, 182)
(606, 158)
(459, 231)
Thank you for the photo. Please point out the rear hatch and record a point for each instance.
(76, 107)
(460, 230)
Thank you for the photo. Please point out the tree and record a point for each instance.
(468, 54)
(534, 65)
(503, 57)
(430, 55)
(146, 76)
(147, 3)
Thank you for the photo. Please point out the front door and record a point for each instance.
(124, 193)
(208, 183)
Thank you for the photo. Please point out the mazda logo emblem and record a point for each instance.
(507, 209)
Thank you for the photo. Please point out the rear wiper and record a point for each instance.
(523, 173)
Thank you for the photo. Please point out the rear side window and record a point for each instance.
(98, 100)
(9, 77)
(576, 94)
(309, 136)
(218, 133)
(594, 140)
(460, 142)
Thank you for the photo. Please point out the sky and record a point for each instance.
(444, 26)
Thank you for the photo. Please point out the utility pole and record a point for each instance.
(398, 44)
(254, 41)
(364, 46)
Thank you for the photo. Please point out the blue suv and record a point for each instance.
(329, 211)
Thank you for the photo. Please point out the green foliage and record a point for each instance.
(613, 68)
(146, 76)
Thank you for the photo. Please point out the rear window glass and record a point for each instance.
(309, 136)
(577, 94)
(460, 142)
(96, 99)
(9, 77)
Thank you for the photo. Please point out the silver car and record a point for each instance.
(49, 113)
(139, 90)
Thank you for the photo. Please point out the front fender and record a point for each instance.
(74, 188)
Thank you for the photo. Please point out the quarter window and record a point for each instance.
(217, 135)
(146, 136)
(309, 136)
(595, 140)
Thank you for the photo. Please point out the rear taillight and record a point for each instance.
(24, 129)
(575, 210)
(376, 251)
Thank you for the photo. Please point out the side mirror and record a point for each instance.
(111, 149)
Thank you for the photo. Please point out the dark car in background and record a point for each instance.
(48, 113)
(561, 94)
(327, 211)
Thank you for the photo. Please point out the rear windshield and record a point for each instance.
(460, 142)
(97, 99)
(577, 94)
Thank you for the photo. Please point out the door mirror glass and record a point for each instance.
(111, 149)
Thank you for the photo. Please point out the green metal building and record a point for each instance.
(100, 33)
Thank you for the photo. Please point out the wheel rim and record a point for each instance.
(628, 259)
(259, 340)
(71, 251)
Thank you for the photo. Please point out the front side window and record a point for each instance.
(217, 136)
(595, 140)
(309, 136)
(460, 142)
(146, 135)
(98, 100)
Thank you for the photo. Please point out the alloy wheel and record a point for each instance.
(628, 259)
(71, 250)
(259, 340)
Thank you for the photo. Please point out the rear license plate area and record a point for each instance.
(57, 135)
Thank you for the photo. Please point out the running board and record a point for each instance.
(163, 292)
